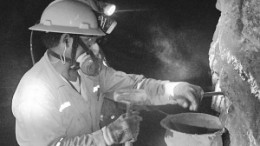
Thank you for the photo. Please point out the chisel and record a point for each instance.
(210, 94)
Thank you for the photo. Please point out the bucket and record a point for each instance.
(192, 129)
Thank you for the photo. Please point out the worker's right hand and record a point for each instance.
(184, 94)
(125, 128)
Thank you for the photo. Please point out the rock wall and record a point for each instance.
(235, 63)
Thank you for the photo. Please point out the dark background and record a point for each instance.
(161, 39)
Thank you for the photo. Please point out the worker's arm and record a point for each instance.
(160, 92)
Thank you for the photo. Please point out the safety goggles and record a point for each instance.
(89, 40)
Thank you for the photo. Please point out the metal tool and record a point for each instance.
(129, 97)
(210, 94)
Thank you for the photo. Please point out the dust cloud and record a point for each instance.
(181, 57)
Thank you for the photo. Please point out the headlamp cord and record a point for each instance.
(31, 48)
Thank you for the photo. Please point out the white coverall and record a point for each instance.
(48, 109)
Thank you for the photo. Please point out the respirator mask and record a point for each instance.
(90, 63)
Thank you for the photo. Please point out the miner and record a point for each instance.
(58, 101)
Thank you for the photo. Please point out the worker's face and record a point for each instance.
(89, 64)
(90, 41)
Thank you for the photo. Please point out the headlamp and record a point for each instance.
(109, 9)
(107, 24)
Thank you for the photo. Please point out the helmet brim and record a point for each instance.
(70, 30)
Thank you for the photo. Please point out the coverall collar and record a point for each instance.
(58, 81)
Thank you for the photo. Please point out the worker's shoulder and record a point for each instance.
(32, 85)
(34, 89)
(35, 79)
(33, 76)
(40, 72)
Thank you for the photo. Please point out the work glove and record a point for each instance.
(184, 94)
(125, 128)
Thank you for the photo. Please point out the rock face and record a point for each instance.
(235, 63)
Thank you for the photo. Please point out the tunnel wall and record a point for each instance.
(235, 63)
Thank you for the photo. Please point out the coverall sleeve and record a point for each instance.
(112, 80)
(39, 124)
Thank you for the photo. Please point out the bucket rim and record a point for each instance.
(218, 132)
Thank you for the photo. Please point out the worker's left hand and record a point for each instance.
(184, 94)
(123, 129)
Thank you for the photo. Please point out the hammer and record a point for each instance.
(129, 97)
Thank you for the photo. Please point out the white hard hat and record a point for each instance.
(69, 16)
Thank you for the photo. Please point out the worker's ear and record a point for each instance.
(67, 40)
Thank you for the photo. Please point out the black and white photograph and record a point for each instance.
(130, 73)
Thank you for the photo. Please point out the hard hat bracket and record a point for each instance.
(107, 24)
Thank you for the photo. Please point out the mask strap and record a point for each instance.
(59, 57)
(84, 46)
(103, 58)
(94, 58)
(75, 45)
